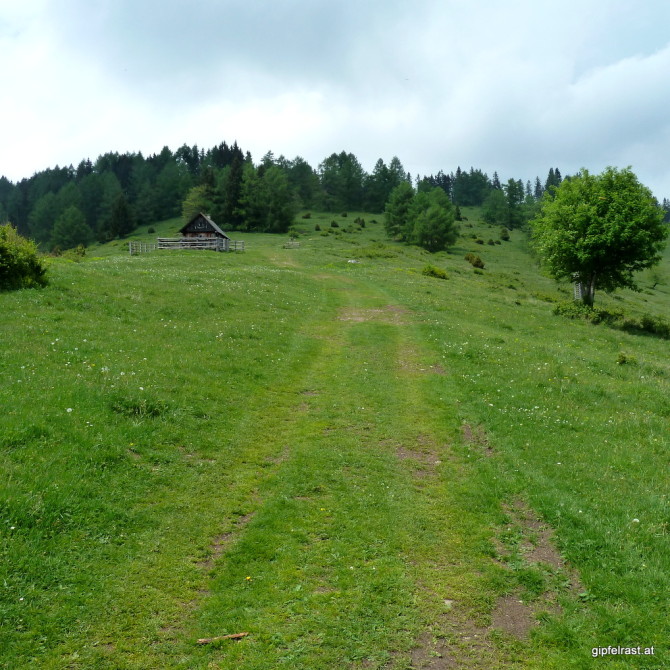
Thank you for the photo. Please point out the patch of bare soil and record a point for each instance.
(476, 436)
(454, 641)
(392, 314)
(222, 542)
(424, 462)
(513, 616)
(457, 642)
(539, 546)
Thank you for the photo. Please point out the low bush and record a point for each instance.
(308, 215)
(376, 250)
(432, 271)
(474, 260)
(649, 324)
(504, 234)
(317, 227)
(334, 224)
(479, 240)
(77, 254)
(151, 230)
(20, 264)
(575, 309)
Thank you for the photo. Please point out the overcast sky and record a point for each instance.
(513, 86)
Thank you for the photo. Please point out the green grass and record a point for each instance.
(326, 454)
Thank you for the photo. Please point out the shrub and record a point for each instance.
(308, 215)
(151, 230)
(490, 242)
(432, 271)
(317, 227)
(655, 325)
(579, 310)
(344, 214)
(20, 266)
(334, 224)
(479, 240)
(76, 254)
(376, 250)
(474, 260)
(504, 234)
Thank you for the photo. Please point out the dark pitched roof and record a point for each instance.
(209, 221)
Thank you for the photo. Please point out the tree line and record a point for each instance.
(62, 207)
(109, 198)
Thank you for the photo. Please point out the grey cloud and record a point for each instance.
(513, 87)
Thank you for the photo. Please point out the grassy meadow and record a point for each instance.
(357, 464)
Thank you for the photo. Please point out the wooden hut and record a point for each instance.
(199, 233)
(201, 227)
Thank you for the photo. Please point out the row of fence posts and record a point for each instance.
(136, 247)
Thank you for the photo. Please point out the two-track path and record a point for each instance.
(341, 540)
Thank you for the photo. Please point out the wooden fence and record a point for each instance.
(140, 247)
(216, 244)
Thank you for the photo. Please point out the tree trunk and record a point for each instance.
(589, 290)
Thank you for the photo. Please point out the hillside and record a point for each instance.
(357, 464)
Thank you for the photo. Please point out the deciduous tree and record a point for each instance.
(599, 230)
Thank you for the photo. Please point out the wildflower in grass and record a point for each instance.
(68, 410)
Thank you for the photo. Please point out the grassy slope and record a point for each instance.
(324, 454)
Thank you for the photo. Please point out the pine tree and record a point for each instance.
(121, 222)
(396, 213)
(551, 180)
(70, 229)
(432, 221)
(232, 189)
